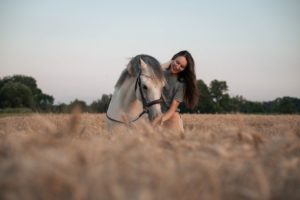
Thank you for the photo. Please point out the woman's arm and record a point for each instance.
(167, 115)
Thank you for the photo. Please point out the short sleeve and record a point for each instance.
(165, 65)
(179, 92)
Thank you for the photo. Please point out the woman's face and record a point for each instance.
(178, 65)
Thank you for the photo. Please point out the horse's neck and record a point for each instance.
(124, 104)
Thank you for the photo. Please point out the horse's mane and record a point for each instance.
(122, 78)
(134, 64)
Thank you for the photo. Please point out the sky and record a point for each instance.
(78, 49)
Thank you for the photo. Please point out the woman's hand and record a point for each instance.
(158, 121)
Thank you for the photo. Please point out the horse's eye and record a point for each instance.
(145, 87)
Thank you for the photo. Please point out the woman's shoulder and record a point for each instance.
(165, 65)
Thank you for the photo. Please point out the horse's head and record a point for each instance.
(149, 83)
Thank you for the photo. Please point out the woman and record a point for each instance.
(181, 86)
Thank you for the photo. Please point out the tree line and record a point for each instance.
(21, 93)
(215, 99)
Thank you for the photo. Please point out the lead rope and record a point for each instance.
(140, 115)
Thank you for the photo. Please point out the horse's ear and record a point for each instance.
(166, 65)
(143, 65)
(129, 69)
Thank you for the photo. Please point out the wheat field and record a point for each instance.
(62, 156)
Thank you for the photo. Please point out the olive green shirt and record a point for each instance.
(173, 90)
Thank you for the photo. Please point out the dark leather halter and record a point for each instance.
(146, 105)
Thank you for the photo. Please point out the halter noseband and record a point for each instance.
(146, 105)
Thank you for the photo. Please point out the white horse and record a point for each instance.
(138, 91)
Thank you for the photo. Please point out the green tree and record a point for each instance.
(205, 104)
(43, 102)
(13, 95)
(218, 92)
(287, 105)
(224, 103)
(237, 103)
(252, 107)
(38, 100)
(60, 108)
(26, 80)
(101, 105)
(78, 103)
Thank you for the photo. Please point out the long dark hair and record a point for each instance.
(188, 76)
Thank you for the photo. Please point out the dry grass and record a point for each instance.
(220, 157)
